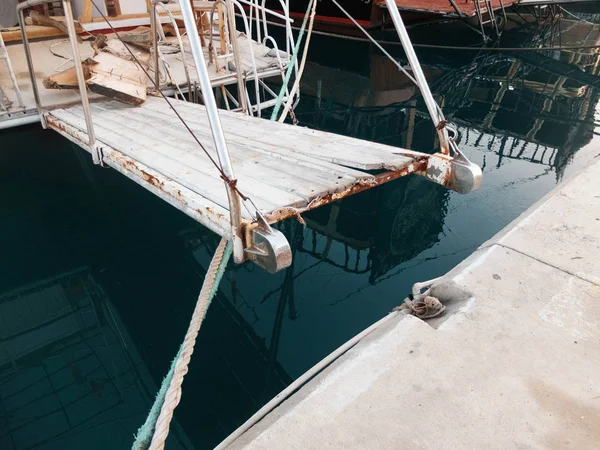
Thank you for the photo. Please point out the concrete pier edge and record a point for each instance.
(515, 362)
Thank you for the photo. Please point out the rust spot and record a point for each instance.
(151, 179)
(213, 213)
(447, 178)
(419, 164)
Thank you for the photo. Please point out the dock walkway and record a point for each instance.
(283, 168)
(514, 363)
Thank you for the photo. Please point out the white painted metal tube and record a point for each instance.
(36, 93)
(153, 27)
(417, 71)
(81, 81)
(216, 128)
(248, 28)
(242, 96)
(11, 73)
(18, 121)
(177, 35)
(285, 18)
(302, 380)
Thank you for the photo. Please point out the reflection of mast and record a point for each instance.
(512, 71)
(286, 298)
(242, 334)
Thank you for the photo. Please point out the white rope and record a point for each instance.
(173, 395)
(296, 86)
(424, 306)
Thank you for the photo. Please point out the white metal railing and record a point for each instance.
(432, 107)
(216, 128)
(6, 106)
(70, 23)
(253, 17)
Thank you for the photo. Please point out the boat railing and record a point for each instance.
(224, 159)
(254, 25)
(72, 34)
(6, 106)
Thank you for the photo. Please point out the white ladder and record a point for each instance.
(5, 103)
(485, 14)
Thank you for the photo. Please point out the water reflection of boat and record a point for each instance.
(541, 98)
(380, 231)
(534, 108)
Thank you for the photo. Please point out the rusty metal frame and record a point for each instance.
(212, 216)
(262, 244)
(453, 172)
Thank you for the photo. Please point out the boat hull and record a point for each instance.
(330, 18)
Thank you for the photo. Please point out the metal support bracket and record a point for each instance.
(454, 172)
(267, 247)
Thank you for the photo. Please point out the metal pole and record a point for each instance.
(242, 96)
(11, 73)
(34, 86)
(417, 72)
(81, 80)
(215, 125)
(155, 45)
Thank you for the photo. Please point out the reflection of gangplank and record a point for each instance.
(69, 373)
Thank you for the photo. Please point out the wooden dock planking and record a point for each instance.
(248, 163)
(277, 165)
(356, 153)
(164, 154)
(278, 150)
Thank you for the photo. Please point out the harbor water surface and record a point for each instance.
(99, 277)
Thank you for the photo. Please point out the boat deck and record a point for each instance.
(54, 55)
(282, 168)
(443, 7)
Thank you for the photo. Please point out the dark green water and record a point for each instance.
(99, 278)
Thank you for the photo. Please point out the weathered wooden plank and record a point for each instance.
(210, 187)
(117, 78)
(262, 182)
(192, 169)
(276, 172)
(334, 148)
(199, 208)
(316, 142)
(13, 34)
(320, 167)
(45, 21)
(67, 79)
(317, 171)
(276, 165)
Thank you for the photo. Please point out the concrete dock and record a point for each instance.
(513, 364)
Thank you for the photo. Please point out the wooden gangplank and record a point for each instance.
(282, 168)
